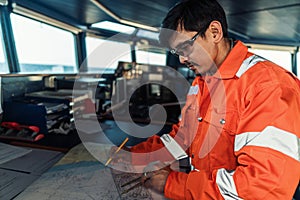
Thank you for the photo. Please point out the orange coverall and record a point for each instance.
(241, 128)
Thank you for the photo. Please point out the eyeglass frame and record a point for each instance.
(190, 42)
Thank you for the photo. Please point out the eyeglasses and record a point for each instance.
(185, 48)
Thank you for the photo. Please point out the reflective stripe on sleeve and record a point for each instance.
(226, 184)
(271, 137)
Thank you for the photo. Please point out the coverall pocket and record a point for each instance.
(223, 120)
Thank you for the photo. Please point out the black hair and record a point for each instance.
(192, 15)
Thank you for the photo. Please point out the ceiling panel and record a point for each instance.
(239, 7)
(250, 20)
(80, 11)
(280, 25)
(150, 12)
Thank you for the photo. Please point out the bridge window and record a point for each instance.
(282, 58)
(104, 55)
(42, 48)
(148, 57)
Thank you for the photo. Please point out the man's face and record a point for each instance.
(193, 51)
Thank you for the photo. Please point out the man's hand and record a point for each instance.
(156, 180)
(123, 156)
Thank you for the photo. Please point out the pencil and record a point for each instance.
(120, 147)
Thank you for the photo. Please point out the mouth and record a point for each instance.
(190, 66)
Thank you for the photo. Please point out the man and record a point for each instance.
(240, 124)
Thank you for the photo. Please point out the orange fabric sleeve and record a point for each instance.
(268, 172)
(150, 148)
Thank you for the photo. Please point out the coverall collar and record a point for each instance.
(232, 62)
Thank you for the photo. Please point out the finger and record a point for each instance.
(148, 177)
(145, 176)
(167, 168)
(147, 182)
(154, 182)
(118, 162)
(112, 150)
(125, 148)
(158, 181)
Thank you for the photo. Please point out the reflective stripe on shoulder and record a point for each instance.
(226, 184)
(248, 63)
(271, 137)
(193, 90)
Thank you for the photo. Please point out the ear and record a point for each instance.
(215, 31)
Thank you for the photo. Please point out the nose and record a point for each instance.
(183, 59)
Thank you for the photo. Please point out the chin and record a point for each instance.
(197, 70)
